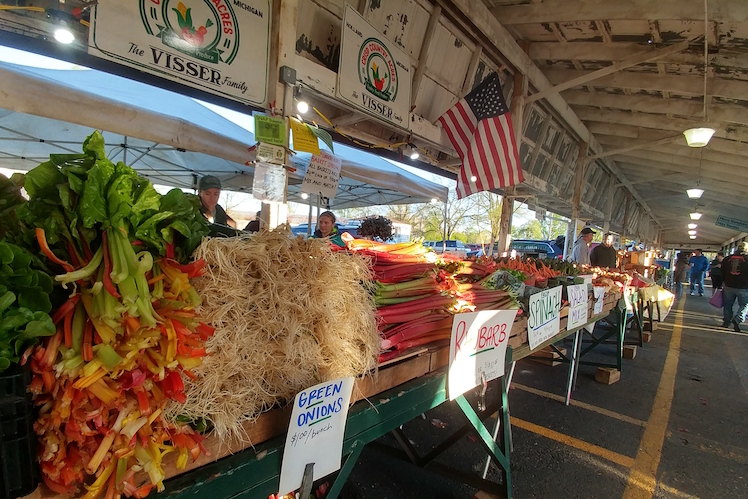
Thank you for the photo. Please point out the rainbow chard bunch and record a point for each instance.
(126, 331)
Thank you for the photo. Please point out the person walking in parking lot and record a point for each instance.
(580, 254)
(735, 287)
(699, 263)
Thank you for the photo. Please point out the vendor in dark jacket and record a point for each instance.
(735, 277)
(209, 190)
(604, 255)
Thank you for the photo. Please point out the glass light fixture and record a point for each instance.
(698, 137)
(691, 232)
(694, 193)
(473, 178)
(695, 215)
(692, 226)
(434, 200)
(304, 195)
(692, 237)
(64, 35)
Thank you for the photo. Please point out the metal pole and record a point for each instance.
(309, 220)
(497, 426)
(446, 211)
(124, 152)
(572, 364)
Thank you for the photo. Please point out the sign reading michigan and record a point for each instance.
(219, 46)
(374, 75)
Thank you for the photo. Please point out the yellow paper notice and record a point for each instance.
(303, 138)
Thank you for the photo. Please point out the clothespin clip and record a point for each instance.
(307, 481)
(484, 387)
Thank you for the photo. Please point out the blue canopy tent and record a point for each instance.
(169, 138)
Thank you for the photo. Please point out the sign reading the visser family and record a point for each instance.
(374, 75)
(219, 46)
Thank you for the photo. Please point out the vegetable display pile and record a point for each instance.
(127, 334)
(288, 313)
(417, 293)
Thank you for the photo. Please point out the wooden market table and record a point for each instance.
(400, 392)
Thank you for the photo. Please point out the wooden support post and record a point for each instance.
(609, 203)
(625, 218)
(576, 200)
(507, 203)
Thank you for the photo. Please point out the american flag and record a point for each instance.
(480, 128)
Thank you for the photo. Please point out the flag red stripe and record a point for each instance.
(498, 165)
(482, 168)
(504, 153)
(517, 170)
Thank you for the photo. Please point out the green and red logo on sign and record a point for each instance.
(204, 29)
(377, 70)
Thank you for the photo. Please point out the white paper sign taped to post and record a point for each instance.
(599, 292)
(544, 319)
(322, 175)
(578, 306)
(478, 345)
(315, 434)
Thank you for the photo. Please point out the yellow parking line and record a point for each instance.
(583, 405)
(573, 442)
(642, 479)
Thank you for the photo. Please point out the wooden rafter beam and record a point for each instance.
(642, 57)
(616, 51)
(687, 85)
(590, 10)
(436, 13)
(633, 147)
(715, 152)
(733, 113)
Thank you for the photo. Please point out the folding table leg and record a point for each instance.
(497, 425)
(345, 471)
(573, 363)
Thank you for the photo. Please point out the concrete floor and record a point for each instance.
(674, 426)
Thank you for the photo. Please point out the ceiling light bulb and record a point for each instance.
(434, 200)
(414, 154)
(698, 137)
(304, 195)
(473, 178)
(694, 193)
(695, 215)
(302, 106)
(692, 237)
(692, 226)
(64, 35)
(691, 232)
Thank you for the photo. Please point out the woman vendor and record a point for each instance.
(209, 190)
(326, 229)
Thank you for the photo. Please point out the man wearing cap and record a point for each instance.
(209, 190)
(580, 254)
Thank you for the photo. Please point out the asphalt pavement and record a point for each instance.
(674, 426)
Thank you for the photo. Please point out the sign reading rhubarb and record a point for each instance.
(315, 433)
(478, 348)
(219, 46)
(374, 74)
(578, 306)
(544, 319)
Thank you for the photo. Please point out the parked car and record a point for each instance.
(453, 247)
(536, 249)
(301, 229)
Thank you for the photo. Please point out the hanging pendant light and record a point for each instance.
(700, 136)
(695, 215)
(694, 193)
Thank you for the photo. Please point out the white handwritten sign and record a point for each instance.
(322, 175)
(478, 345)
(578, 306)
(218, 46)
(599, 292)
(544, 319)
(315, 434)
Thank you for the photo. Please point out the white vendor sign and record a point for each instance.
(322, 175)
(374, 75)
(478, 347)
(544, 319)
(578, 306)
(219, 46)
(315, 433)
